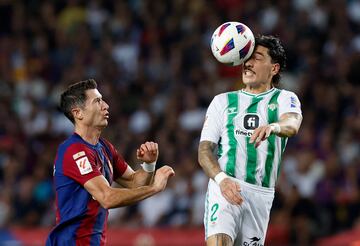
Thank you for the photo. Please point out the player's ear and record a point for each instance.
(77, 113)
(275, 69)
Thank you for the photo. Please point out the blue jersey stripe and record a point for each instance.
(98, 226)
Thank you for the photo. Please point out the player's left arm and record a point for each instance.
(287, 126)
(148, 153)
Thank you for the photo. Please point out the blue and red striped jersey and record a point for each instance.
(80, 219)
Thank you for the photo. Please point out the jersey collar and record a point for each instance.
(94, 146)
(258, 95)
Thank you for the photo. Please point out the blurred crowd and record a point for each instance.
(154, 67)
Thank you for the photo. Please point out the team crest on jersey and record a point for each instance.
(272, 106)
(84, 165)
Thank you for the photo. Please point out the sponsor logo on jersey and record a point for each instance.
(78, 155)
(246, 124)
(293, 102)
(232, 110)
(84, 165)
(254, 241)
(251, 121)
(245, 133)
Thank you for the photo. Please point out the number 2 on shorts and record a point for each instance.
(214, 209)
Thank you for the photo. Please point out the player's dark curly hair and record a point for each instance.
(276, 52)
(75, 96)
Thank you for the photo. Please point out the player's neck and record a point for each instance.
(89, 134)
(257, 89)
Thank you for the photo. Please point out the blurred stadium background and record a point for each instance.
(155, 69)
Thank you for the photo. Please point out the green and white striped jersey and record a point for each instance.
(230, 121)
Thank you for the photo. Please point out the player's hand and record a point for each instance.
(231, 191)
(260, 134)
(161, 177)
(148, 152)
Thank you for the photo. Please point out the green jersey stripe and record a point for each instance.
(232, 111)
(251, 161)
(283, 145)
(272, 117)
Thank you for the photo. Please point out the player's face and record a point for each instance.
(95, 112)
(258, 69)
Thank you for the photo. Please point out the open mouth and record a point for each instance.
(248, 72)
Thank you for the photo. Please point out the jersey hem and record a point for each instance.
(255, 188)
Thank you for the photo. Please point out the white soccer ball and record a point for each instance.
(232, 43)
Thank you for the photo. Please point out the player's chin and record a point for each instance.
(248, 81)
(104, 123)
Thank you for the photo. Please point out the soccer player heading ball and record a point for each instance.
(250, 129)
(85, 167)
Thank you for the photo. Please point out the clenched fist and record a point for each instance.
(148, 152)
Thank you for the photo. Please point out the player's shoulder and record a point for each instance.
(74, 146)
(223, 97)
(289, 99)
(284, 92)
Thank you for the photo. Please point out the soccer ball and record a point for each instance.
(232, 43)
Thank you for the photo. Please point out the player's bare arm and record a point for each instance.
(219, 239)
(287, 126)
(148, 153)
(110, 197)
(207, 159)
(133, 179)
(229, 188)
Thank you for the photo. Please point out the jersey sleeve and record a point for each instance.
(211, 130)
(289, 103)
(118, 162)
(79, 163)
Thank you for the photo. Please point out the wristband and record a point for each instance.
(220, 177)
(149, 167)
(275, 128)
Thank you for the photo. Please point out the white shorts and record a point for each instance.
(246, 223)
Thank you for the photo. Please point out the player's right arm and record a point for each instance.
(229, 188)
(78, 163)
(209, 136)
(110, 197)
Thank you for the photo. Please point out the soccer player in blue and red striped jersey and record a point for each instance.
(85, 167)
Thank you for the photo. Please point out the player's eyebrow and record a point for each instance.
(259, 53)
(96, 98)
